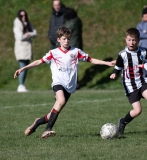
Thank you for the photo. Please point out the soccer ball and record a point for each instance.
(109, 131)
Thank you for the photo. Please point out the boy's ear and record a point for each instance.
(58, 39)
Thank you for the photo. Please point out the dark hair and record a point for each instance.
(133, 32)
(144, 11)
(63, 31)
(70, 13)
(25, 27)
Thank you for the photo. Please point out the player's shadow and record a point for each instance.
(96, 70)
(124, 136)
(81, 135)
(136, 132)
(131, 133)
(96, 135)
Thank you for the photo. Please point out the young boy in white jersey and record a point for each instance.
(64, 65)
(134, 77)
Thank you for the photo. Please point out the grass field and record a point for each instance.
(77, 127)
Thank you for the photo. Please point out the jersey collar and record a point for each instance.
(133, 52)
(65, 50)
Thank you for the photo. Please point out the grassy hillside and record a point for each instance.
(104, 26)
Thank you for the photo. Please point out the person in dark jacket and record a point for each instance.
(56, 21)
(74, 24)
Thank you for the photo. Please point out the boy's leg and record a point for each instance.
(38, 121)
(62, 97)
(134, 99)
(144, 92)
(52, 119)
(129, 117)
(132, 114)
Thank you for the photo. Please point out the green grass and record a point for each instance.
(104, 26)
(77, 127)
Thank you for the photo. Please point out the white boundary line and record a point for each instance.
(70, 102)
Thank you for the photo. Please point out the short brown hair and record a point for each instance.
(63, 31)
(133, 32)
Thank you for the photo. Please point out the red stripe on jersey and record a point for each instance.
(82, 57)
(65, 50)
(50, 56)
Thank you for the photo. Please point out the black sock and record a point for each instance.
(39, 122)
(52, 119)
(127, 119)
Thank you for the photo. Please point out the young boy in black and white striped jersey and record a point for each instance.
(131, 62)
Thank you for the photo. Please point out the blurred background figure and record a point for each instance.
(56, 21)
(23, 32)
(142, 27)
(74, 23)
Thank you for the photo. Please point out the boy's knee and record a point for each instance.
(138, 112)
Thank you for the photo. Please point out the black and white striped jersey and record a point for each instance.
(132, 76)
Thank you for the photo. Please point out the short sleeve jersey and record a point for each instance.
(132, 77)
(64, 66)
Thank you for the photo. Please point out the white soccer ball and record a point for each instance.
(109, 131)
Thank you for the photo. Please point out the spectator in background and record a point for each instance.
(56, 21)
(74, 24)
(142, 27)
(23, 32)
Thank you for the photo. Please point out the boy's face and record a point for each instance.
(64, 42)
(144, 17)
(132, 42)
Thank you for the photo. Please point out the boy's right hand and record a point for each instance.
(17, 73)
(113, 76)
(27, 34)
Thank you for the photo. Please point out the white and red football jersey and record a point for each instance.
(64, 66)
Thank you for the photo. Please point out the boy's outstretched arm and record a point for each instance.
(100, 62)
(31, 65)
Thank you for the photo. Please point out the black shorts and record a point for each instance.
(137, 94)
(60, 87)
